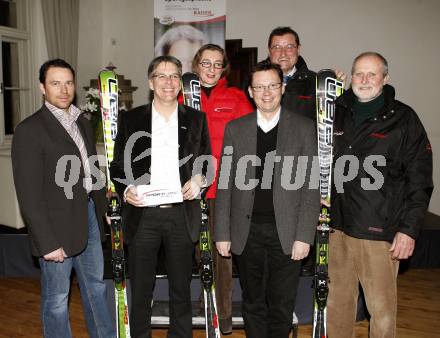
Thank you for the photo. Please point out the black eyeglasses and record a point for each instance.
(272, 86)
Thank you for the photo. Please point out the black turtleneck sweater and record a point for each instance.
(366, 110)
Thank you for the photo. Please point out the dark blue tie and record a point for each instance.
(286, 78)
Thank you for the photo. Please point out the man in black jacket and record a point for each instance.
(378, 211)
(300, 82)
(284, 50)
(158, 147)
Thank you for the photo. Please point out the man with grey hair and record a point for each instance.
(375, 228)
(156, 149)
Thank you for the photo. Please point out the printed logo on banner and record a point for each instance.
(167, 20)
(201, 13)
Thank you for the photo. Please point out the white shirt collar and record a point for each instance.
(156, 115)
(266, 125)
(292, 71)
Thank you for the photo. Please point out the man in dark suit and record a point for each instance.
(159, 147)
(63, 212)
(266, 213)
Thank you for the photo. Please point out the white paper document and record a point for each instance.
(154, 195)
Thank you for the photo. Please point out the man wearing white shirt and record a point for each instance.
(266, 220)
(163, 141)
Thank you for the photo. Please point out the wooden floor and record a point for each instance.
(418, 309)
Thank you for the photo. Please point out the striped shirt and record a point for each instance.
(68, 121)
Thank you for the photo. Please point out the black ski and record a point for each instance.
(191, 96)
(108, 88)
(207, 276)
(328, 88)
(191, 90)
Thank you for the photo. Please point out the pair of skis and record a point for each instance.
(192, 97)
(108, 88)
(328, 88)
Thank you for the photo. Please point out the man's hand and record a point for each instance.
(56, 256)
(224, 248)
(300, 250)
(325, 202)
(132, 197)
(109, 194)
(402, 247)
(191, 189)
(340, 75)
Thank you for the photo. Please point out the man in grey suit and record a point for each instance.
(266, 212)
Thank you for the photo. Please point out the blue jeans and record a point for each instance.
(55, 286)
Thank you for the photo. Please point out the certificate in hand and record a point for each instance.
(155, 195)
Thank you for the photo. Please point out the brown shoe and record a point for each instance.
(225, 325)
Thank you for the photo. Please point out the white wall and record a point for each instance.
(120, 32)
(39, 49)
(90, 45)
(332, 33)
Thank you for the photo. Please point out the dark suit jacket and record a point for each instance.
(296, 210)
(52, 219)
(193, 140)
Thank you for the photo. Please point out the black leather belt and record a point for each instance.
(165, 206)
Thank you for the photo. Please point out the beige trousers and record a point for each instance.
(353, 261)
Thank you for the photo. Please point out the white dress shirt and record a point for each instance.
(164, 150)
(266, 125)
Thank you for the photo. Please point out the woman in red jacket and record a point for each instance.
(221, 105)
